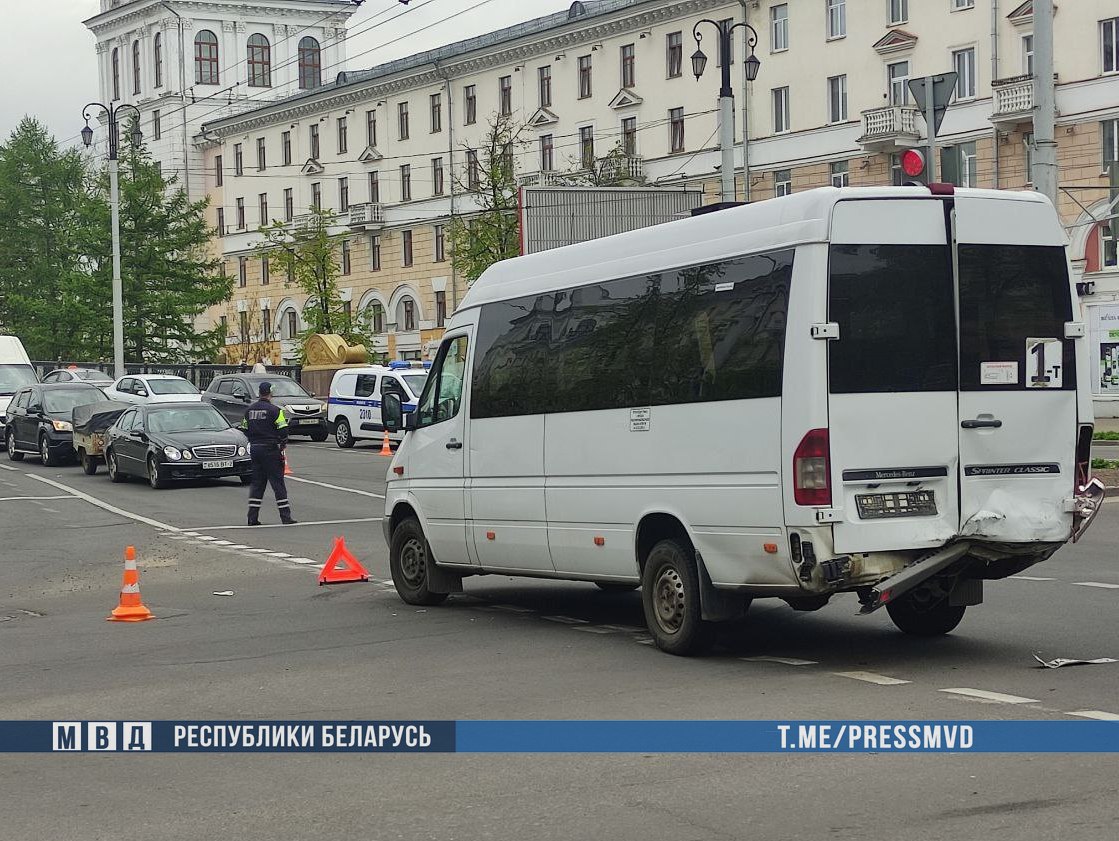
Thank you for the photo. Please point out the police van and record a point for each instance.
(881, 391)
(354, 405)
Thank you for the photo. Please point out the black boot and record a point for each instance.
(288, 521)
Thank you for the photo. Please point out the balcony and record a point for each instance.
(622, 169)
(890, 128)
(1013, 100)
(367, 215)
(549, 178)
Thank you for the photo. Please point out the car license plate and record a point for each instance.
(307, 421)
(888, 505)
(217, 465)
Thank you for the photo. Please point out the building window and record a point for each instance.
(371, 128)
(544, 81)
(244, 320)
(405, 182)
(402, 119)
(584, 76)
(242, 272)
(136, 68)
(505, 95)
(962, 4)
(264, 280)
(547, 151)
(897, 174)
(409, 308)
(473, 170)
(375, 187)
(782, 182)
(314, 134)
(310, 63)
(115, 59)
(157, 59)
(837, 18)
(342, 129)
(963, 62)
(206, 58)
(779, 27)
(406, 248)
(586, 147)
(238, 160)
(837, 99)
(1109, 41)
(1028, 142)
(316, 195)
(629, 136)
(266, 316)
(470, 110)
(1109, 253)
(1109, 132)
(629, 77)
(219, 173)
(285, 148)
(223, 322)
(240, 214)
(376, 318)
(343, 195)
(261, 156)
(963, 159)
(437, 176)
(440, 244)
(440, 309)
(1028, 54)
(436, 113)
(897, 77)
(291, 324)
(260, 62)
(289, 204)
(375, 254)
(157, 128)
(262, 206)
(347, 311)
(899, 11)
(345, 256)
(221, 221)
(840, 177)
(781, 120)
(674, 43)
(676, 129)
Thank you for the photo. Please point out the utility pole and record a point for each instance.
(1045, 170)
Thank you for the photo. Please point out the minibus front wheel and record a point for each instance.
(670, 596)
(409, 564)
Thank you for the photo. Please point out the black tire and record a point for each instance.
(45, 455)
(156, 479)
(408, 559)
(319, 437)
(246, 480)
(615, 586)
(925, 613)
(113, 467)
(670, 597)
(343, 437)
(11, 446)
(89, 464)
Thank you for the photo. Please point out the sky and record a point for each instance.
(46, 54)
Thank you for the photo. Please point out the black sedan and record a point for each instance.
(40, 420)
(165, 442)
(231, 395)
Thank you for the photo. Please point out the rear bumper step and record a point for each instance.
(902, 582)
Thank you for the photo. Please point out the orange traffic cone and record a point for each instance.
(130, 609)
(287, 467)
(351, 568)
(386, 449)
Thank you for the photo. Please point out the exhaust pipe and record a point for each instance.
(900, 583)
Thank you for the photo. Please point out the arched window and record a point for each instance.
(157, 62)
(289, 324)
(206, 58)
(116, 73)
(310, 63)
(260, 62)
(406, 314)
(376, 317)
(136, 68)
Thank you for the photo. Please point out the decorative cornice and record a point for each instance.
(895, 41)
(370, 155)
(127, 15)
(312, 167)
(542, 117)
(1023, 14)
(625, 98)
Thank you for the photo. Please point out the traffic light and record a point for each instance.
(914, 167)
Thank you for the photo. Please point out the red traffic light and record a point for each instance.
(912, 163)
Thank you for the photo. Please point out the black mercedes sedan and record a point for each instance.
(165, 442)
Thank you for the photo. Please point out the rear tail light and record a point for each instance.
(812, 469)
(1083, 456)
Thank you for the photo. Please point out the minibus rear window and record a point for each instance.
(897, 325)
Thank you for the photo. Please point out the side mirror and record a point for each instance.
(35, 409)
(141, 392)
(139, 435)
(392, 412)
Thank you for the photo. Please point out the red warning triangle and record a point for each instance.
(342, 567)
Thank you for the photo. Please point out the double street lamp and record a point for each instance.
(726, 97)
(113, 113)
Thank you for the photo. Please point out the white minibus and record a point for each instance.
(882, 391)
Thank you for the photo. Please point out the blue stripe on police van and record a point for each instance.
(365, 403)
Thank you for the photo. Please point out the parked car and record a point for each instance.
(153, 388)
(166, 442)
(40, 420)
(74, 374)
(15, 373)
(354, 410)
(231, 394)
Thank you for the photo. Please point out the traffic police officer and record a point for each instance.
(267, 431)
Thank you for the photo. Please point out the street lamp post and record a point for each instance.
(113, 113)
(726, 95)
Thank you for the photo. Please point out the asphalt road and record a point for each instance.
(284, 648)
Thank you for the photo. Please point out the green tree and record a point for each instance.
(617, 168)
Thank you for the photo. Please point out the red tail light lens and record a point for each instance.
(1083, 456)
(812, 469)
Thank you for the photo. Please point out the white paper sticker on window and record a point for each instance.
(640, 420)
(1044, 363)
(998, 373)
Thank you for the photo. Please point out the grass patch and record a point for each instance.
(1105, 435)
(1105, 464)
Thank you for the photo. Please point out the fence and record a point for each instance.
(201, 375)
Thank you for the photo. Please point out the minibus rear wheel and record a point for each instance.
(408, 560)
(923, 614)
(670, 597)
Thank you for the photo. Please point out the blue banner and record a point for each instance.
(560, 736)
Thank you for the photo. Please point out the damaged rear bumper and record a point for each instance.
(1087, 505)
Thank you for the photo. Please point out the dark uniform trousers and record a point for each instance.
(268, 469)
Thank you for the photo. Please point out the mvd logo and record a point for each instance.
(101, 735)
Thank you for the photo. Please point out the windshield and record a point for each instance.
(284, 388)
(15, 377)
(415, 382)
(63, 402)
(201, 418)
(172, 387)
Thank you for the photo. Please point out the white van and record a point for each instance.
(354, 406)
(877, 390)
(16, 371)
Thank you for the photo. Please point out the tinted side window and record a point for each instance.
(511, 371)
(366, 385)
(896, 314)
(224, 387)
(51, 377)
(1009, 294)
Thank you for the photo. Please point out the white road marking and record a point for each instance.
(1099, 715)
(92, 500)
(6, 467)
(595, 629)
(34, 498)
(51, 510)
(1029, 578)
(238, 546)
(222, 543)
(303, 561)
(871, 677)
(508, 608)
(205, 537)
(296, 525)
(191, 533)
(984, 695)
(335, 487)
(566, 620)
(279, 555)
(1099, 584)
(788, 661)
